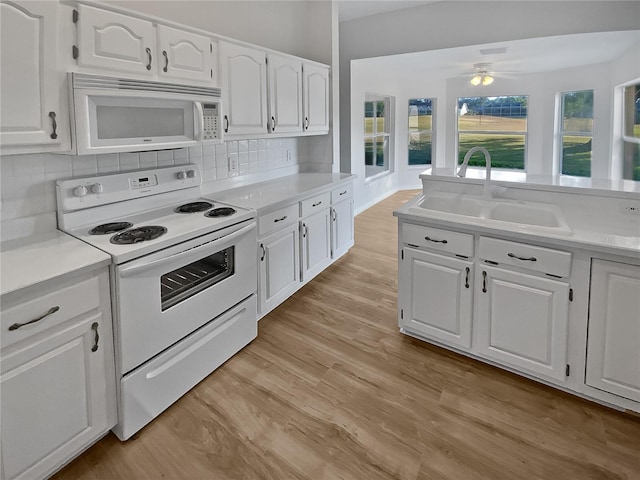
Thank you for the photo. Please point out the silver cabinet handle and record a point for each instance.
(166, 61)
(435, 241)
(94, 327)
(316, 204)
(148, 50)
(306, 123)
(466, 278)
(343, 193)
(273, 124)
(226, 124)
(264, 252)
(305, 230)
(52, 116)
(51, 311)
(276, 220)
(524, 259)
(334, 215)
(484, 282)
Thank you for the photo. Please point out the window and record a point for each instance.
(420, 140)
(631, 133)
(576, 133)
(498, 124)
(376, 134)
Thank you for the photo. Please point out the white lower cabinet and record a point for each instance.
(57, 378)
(279, 267)
(613, 350)
(341, 227)
(435, 296)
(522, 321)
(315, 237)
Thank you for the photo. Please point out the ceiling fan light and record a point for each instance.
(476, 80)
(487, 80)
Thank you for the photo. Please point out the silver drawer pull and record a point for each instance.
(280, 219)
(316, 204)
(435, 241)
(343, 193)
(94, 327)
(51, 311)
(524, 259)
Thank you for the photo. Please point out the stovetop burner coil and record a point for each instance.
(107, 228)
(139, 234)
(220, 212)
(194, 207)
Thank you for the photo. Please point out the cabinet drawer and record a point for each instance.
(339, 194)
(314, 204)
(436, 239)
(63, 304)
(273, 221)
(539, 259)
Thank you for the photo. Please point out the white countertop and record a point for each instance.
(273, 194)
(28, 261)
(600, 241)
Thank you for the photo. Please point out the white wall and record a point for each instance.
(459, 23)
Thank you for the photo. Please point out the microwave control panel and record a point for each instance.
(210, 120)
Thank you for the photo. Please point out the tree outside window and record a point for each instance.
(576, 133)
(420, 141)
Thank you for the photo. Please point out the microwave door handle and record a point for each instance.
(200, 115)
(131, 270)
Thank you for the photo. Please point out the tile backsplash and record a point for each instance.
(28, 188)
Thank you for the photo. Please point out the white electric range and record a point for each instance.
(183, 279)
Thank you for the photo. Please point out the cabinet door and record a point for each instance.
(613, 352)
(316, 98)
(33, 117)
(279, 259)
(316, 243)
(285, 94)
(113, 41)
(244, 89)
(184, 55)
(522, 321)
(54, 398)
(436, 296)
(342, 227)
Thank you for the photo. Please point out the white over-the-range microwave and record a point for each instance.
(111, 115)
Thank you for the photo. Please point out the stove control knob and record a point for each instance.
(80, 191)
(97, 188)
(181, 175)
(191, 173)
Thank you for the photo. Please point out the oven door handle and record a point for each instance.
(131, 270)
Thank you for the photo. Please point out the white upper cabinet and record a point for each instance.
(244, 89)
(285, 94)
(613, 351)
(316, 98)
(184, 55)
(113, 41)
(34, 114)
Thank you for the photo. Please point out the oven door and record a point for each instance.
(163, 297)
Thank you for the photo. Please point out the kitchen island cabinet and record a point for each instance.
(57, 376)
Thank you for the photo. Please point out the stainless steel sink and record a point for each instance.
(506, 214)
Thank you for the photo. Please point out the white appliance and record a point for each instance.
(110, 115)
(183, 279)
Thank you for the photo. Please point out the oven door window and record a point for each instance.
(184, 282)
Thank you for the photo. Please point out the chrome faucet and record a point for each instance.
(487, 159)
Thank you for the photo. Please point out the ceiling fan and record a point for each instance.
(483, 74)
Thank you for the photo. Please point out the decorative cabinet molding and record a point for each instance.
(316, 98)
(184, 55)
(285, 94)
(244, 89)
(34, 115)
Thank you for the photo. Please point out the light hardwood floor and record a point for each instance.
(331, 390)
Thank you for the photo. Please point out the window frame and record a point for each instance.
(375, 135)
(561, 132)
(627, 164)
(524, 133)
(431, 132)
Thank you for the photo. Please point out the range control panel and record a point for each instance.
(210, 121)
